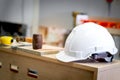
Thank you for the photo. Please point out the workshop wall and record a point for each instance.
(59, 12)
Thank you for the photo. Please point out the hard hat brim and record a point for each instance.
(62, 56)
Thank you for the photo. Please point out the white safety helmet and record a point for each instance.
(84, 40)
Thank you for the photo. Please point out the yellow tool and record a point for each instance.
(6, 40)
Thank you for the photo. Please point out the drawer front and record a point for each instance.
(16, 67)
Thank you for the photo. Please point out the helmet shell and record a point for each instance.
(86, 39)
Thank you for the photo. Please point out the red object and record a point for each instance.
(118, 26)
(84, 21)
(112, 25)
(104, 24)
(109, 1)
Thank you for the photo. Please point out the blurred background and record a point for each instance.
(52, 18)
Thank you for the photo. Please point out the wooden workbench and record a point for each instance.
(25, 64)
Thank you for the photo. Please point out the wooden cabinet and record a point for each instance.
(47, 67)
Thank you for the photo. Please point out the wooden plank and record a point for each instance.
(114, 31)
(46, 49)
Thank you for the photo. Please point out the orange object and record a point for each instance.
(94, 21)
(84, 21)
(28, 39)
(104, 24)
(118, 26)
(112, 25)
